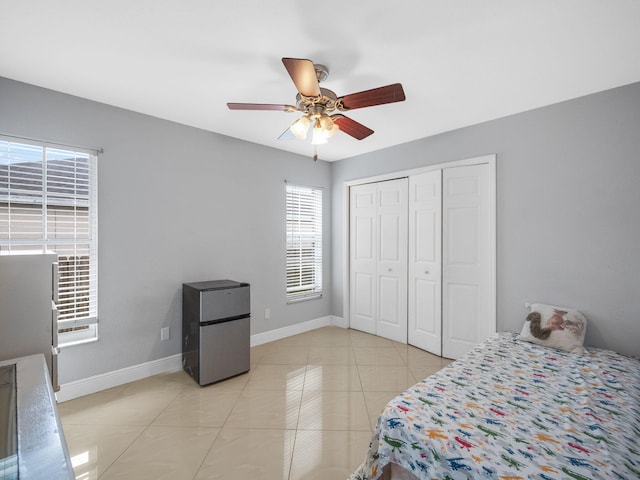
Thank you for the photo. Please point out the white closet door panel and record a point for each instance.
(363, 244)
(392, 260)
(364, 297)
(390, 236)
(427, 311)
(427, 227)
(363, 257)
(392, 194)
(462, 238)
(466, 315)
(389, 299)
(425, 232)
(463, 302)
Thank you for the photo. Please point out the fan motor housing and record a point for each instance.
(326, 100)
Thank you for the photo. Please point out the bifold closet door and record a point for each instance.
(378, 258)
(363, 225)
(425, 257)
(392, 260)
(466, 256)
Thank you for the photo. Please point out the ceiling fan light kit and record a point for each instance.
(318, 104)
(300, 127)
(318, 137)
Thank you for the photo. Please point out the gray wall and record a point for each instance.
(176, 204)
(179, 204)
(568, 213)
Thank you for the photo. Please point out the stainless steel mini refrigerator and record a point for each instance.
(215, 329)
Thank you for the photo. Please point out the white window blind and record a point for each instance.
(304, 242)
(48, 202)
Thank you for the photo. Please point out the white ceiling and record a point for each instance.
(461, 62)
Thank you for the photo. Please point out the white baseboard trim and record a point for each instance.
(339, 321)
(173, 363)
(97, 383)
(284, 332)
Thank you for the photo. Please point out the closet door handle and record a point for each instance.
(426, 272)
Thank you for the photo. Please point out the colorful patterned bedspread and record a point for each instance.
(512, 410)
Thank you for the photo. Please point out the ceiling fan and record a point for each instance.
(318, 104)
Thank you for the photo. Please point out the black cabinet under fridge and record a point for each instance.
(215, 329)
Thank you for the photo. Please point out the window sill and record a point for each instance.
(73, 343)
(304, 299)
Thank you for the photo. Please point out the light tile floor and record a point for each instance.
(306, 410)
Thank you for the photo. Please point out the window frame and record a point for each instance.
(304, 242)
(74, 198)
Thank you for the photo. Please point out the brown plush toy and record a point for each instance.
(535, 327)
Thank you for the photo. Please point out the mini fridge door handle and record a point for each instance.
(54, 369)
(54, 325)
(54, 347)
(55, 274)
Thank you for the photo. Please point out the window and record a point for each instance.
(48, 202)
(304, 242)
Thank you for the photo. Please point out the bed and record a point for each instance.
(510, 410)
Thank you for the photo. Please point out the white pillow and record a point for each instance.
(557, 327)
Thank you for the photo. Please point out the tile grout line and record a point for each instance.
(127, 386)
(121, 454)
(295, 436)
(206, 455)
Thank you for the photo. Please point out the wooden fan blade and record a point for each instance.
(303, 74)
(258, 106)
(351, 127)
(377, 96)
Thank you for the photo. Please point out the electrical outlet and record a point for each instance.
(267, 313)
(164, 334)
